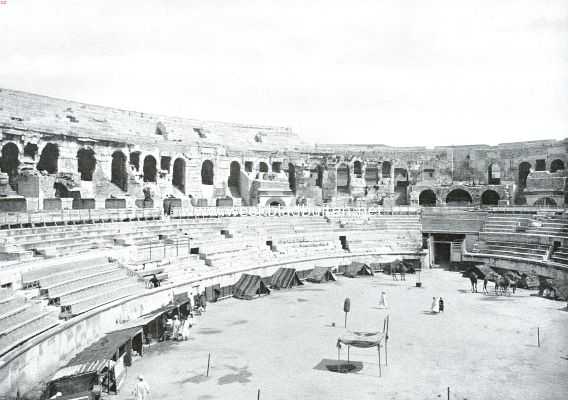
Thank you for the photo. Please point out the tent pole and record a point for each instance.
(379, 350)
(348, 348)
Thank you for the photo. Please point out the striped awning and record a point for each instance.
(81, 369)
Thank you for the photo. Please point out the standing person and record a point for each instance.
(383, 300)
(441, 305)
(141, 390)
(203, 300)
(176, 328)
(434, 308)
(485, 284)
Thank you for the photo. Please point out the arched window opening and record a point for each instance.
(357, 170)
(263, 167)
(427, 198)
(178, 176)
(165, 163)
(135, 160)
(234, 181)
(524, 170)
(207, 173)
(10, 161)
(490, 198)
(494, 174)
(545, 202)
(86, 164)
(386, 169)
(371, 176)
(458, 197)
(248, 166)
(277, 167)
(540, 165)
(149, 169)
(343, 178)
(30, 150)
(292, 177)
(556, 165)
(118, 173)
(48, 159)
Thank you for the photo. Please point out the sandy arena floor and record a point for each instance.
(482, 347)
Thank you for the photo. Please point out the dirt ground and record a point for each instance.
(481, 347)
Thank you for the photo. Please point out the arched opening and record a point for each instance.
(207, 173)
(275, 202)
(30, 150)
(524, 170)
(178, 175)
(316, 174)
(248, 166)
(49, 158)
(292, 177)
(401, 185)
(277, 167)
(135, 160)
(86, 164)
(490, 198)
(545, 202)
(149, 169)
(427, 198)
(386, 169)
(263, 167)
(343, 178)
(458, 197)
(234, 181)
(357, 170)
(494, 174)
(371, 176)
(10, 161)
(556, 165)
(118, 173)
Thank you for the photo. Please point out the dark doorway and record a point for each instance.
(427, 198)
(86, 164)
(178, 175)
(292, 177)
(30, 150)
(556, 165)
(48, 159)
(149, 169)
(10, 161)
(207, 173)
(277, 167)
(357, 170)
(263, 167)
(490, 198)
(494, 174)
(458, 197)
(135, 160)
(118, 173)
(343, 179)
(234, 181)
(524, 170)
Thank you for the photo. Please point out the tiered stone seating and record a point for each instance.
(305, 245)
(560, 255)
(554, 227)
(506, 223)
(21, 320)
(530, 251)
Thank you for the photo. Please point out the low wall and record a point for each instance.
(13, 204)
(523, 266)
(37, 360)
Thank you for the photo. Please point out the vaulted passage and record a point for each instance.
(135, 160)
(292, 177)
(357, 170)
(178, 175)
(207, 173)
(49, 159)
(524, 170)
(386, 169)
(556, 165)
(494, 174)
(149, 169)
(343, 178)
(30, 150)
(86, 164)
(545, 202)
(234, 181)
(10, 161)
(263, 167)
(458, 197)
(371, 176)
(427, 198)
(490, 198)
(119, 175)
(276, 167)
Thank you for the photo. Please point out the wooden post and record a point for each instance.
(538, 335)
(379, 350)
(208, 363)
(345, 320)
(448, 393)
(258, 395)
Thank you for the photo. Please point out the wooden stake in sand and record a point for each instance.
(538, 335)
(208, 363)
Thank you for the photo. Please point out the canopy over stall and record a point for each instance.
(320, 274)
(285, 278)
(357, 269)
(249, 286)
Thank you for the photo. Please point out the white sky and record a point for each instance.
(397, 72)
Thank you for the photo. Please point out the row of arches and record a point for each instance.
(458, 197)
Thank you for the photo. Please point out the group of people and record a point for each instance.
(437, 305)
(177, 329)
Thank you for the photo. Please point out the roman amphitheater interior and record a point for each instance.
(110, 219)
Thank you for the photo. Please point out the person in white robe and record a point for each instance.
(383, 300)
(434, 308)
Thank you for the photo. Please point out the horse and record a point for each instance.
(473, 279)
(502, 285)
(398, 267)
